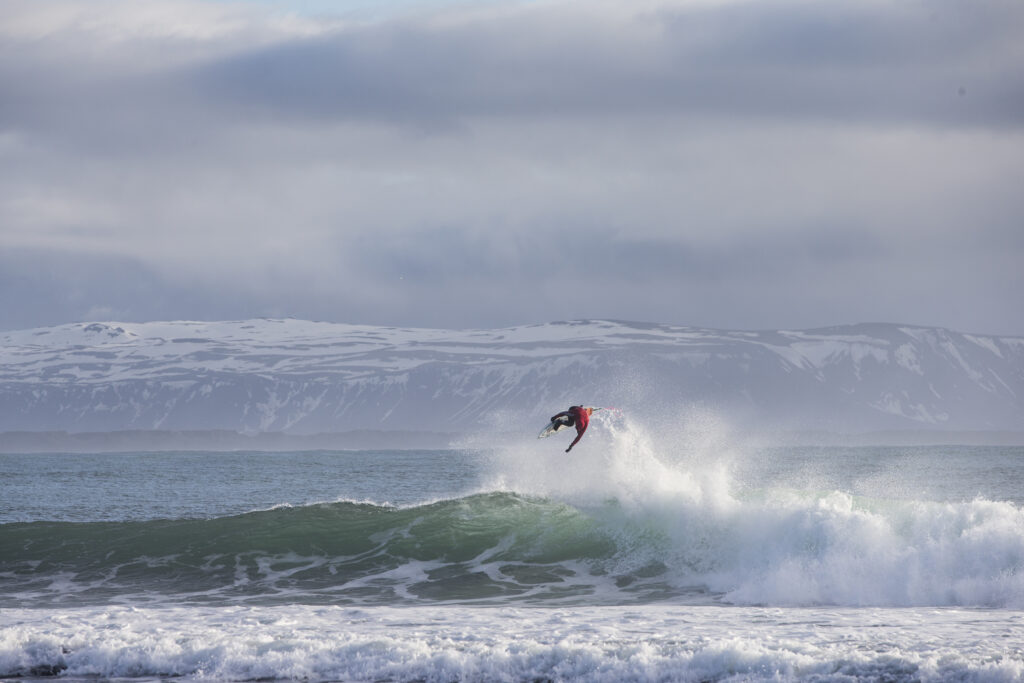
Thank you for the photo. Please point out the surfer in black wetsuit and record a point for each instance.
(576, 416)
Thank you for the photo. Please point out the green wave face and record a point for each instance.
(499, 548)
(492, 546)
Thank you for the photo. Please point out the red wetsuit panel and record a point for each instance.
(581, 418)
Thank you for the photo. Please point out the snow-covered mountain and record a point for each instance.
(307, 377)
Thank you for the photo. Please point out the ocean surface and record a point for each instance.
(637, 557)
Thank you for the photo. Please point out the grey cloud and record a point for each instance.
(739, 164)
(39, 287)
(576, 251)
(833, 61)
(843, 61)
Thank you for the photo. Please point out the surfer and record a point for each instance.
(576, 416)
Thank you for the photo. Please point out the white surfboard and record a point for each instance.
(552, 428)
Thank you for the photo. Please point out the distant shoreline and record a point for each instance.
(226, 440)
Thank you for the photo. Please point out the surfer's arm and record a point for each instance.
(579, 435)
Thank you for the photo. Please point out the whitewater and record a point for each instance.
(652, 552)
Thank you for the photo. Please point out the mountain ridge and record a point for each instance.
(267, 375)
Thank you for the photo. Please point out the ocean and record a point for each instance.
(640, 556)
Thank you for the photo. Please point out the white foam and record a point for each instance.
(774, 547)
(655, 643)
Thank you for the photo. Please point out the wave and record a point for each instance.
(778, 549)
(624, 524)
(478, 547)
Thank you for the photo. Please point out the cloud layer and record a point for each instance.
(730, 164)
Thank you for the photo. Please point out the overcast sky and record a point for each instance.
(725, 163)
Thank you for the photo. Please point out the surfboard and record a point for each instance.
(558, 426)
(552, 428)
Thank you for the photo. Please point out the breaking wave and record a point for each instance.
(627, 529)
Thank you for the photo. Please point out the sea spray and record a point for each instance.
(678, 510)
(619, 458)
